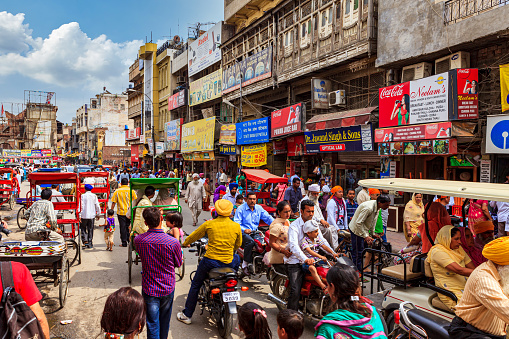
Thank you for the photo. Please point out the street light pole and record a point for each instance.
(151, 125)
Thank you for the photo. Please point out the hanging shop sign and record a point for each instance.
(423, 147)
(205, 51)
(250, 70)
(199, 156)
(287, 120)
(132, 134)
(159, 147)
(485, 175)
(254, 155)
(198, 135)
(177, 100)
(347, 139)
(439, 130)
(429, 100)
(279, 147)
(253, 131)
(173, 130)
(497, 134)
(387, 168)
(296, 146)
(205, 89)
(320, 89)
(227, 149)
(135, 152)
(228, 134)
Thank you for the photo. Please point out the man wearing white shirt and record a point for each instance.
(295, 237)
(223, 178)
(328, 233)
(503, 215)
(56, 196)
(89, 210)
(336, 212)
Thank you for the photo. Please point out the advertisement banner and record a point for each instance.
(228, 134)
(150, 146)
(177, 100)
(199, 156)
(198, 135)
(497, 134)
(439, 130)
(424, 147)
(254, 68)
(205, 89)
(36, 153)
(11, 153)
(172, 141)
(46, 152)
(466, 89)
(320, 89)
(253, 131)
(345, 139)
(26, 152)
(279, 147)
(132, 133)
(205, 50)
(287, 120)
(227, 149)
(159, 147)
(135, 152)
(296, 146)
(254, 155)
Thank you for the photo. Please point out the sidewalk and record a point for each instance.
(397, 240)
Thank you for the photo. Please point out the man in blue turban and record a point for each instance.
(231, 196)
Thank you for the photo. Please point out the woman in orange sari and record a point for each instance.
(437, 218)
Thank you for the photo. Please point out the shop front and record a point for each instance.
(226, 157)
(197, 145)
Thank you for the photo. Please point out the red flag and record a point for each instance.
(1, 116)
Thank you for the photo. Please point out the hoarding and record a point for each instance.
(199, 156)
(346, 139)
(172, 140)
(228, 134)
(497, 134)
(466, 93)
(253, 131)
(287, 120)
(198, 135)
(114, 138)
(133, 133)
(439, 130)
(320, 89)
(254, 155)
(205, 51)
(177, 100)
(296, 146)
(279, 147)
(254, 68)
(423, 147)
(135, 152)
(205, 89)
(11, 152)
(159, 147)
(227, 149)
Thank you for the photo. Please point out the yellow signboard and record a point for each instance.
(206, 88)
(199, 156)
(228, 135)
(198, 136)
(254, 155)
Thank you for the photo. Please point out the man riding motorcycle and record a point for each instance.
(295, 261)
(224, 238)
(248, 216)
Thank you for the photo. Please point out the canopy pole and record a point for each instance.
(426, 227)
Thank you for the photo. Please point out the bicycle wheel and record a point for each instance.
(64, 281)
(72, 251)
(22, 222)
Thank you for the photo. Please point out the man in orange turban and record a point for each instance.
(374, 193)
(485, 232)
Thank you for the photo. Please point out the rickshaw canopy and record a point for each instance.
(263, 177)
(141, 183)
(39, 178)
(462, 189)
(94, 174)
(4, 170)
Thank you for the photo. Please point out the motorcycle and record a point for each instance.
(411, 322)
(219, 294)
(260, 248)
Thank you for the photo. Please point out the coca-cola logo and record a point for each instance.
(391, 92)
(379, 133)
(432, 129)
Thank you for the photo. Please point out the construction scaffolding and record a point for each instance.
(41, 119)
(11, 124)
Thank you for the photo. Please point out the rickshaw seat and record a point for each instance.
(398, 272)
(67, 205)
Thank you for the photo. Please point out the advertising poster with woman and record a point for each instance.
(395, 105)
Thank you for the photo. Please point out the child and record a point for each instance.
(109, 229)
(253, 322)
(290, 324)
(174, 224)
(310, 245)
(239, 200)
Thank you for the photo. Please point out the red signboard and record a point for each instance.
(279, 147)
(422, 147)
(287, 120)
(394, 105)
(467, 88)
(296, 146)
(177, 100)
(132, 133)
(46, 152)
(135, 153)
(407, 133)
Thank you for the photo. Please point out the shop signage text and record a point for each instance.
(205, 89)
(199, 156)
(172, 142)
(253, 131)
(227, 149)
(177, 100)
(254, 155)
(287, 120)
(132, 133)
(228, 134)
(205, 50)
(423, 147)
(320, 89)
(350, 139)
(407, 133)
(198, 135)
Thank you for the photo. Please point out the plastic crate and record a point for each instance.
(456, 210)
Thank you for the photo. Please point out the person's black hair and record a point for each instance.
(253, 324)
(281, 206)
(46, 194)
(110, 212)
(295, 180)
(175, 218)
(150, 190)
(292, 322)
(239, 197)
(345, 280)
(152, 216)
(306, 202)
(124, 181)
(348, 191)
(124, 312)
(250, 193)
(454, 231)
(54, 185)
(382, 199)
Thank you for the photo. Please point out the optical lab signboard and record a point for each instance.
(177, 100)
(205, 89)
(205, 51)
(172, 142)
(254, 68)
(287, 120)
(346, 139)
(253, 131)
(439, 130)
(430, 100)
(497, 134)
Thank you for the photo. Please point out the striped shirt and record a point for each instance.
(121, 198)
(39, 214)
(483, 304)
(160, 253)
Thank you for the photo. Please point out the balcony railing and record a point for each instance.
(134, 111)
(456, 10)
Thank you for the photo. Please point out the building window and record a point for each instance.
(115, 106)
(122, 107)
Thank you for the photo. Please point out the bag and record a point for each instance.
(17, 319)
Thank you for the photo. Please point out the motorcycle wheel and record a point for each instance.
(390, 325)
(279, 289)
(224, 321)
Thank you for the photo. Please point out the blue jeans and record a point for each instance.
(384, 237)
(158, 315)
(357, 248)
(201, 274)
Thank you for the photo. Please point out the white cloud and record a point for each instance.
(15, 37)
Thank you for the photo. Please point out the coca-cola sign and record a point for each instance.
(394, 105)
(392, 91)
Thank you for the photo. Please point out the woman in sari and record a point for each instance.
(208, 193)
(437, 218)
(280, 189)
(469, 246)
(217, 192)
(413, 216)
(478, 212)
(450, 264)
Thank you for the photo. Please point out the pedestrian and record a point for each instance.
(124, 314)
(174, 221)
(253, 322)
(160, 253)
(232, 193)
(351, 205)
(90, 210)
(503, 216)
(223, 178)
(363, 195)
(290, 324)
(39, 215)
(208, 194)
(293, 195)
(123, 175)
(109, 229)
(195, 196)
(120, 198)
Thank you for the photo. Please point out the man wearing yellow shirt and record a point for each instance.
(121, 198)
(225, 237)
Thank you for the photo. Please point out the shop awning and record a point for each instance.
(353, 117)
(261, 176)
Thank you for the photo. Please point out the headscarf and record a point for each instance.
(373, 191)
(497, 251)
(335, 189)
(474, 252)
(443, 243)
(437, 218)
(413, 211)
(217, 191)
(484, 226)
(314, 188)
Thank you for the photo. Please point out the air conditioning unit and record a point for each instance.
(417, 71)
(337, 98)
(181, 79)
(456, 60)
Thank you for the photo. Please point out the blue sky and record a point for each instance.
(74, 48)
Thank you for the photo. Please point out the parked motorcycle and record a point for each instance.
(411, 322)
(261, 247)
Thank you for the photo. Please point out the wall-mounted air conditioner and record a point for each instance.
(337, 98)
(417, 71)
(181, 79)
(456, 60)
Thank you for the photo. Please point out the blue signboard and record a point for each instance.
(227, 149)
(253, 131)
(346, 139)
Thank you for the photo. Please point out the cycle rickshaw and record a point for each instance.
(101, 187)
(9, 187)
